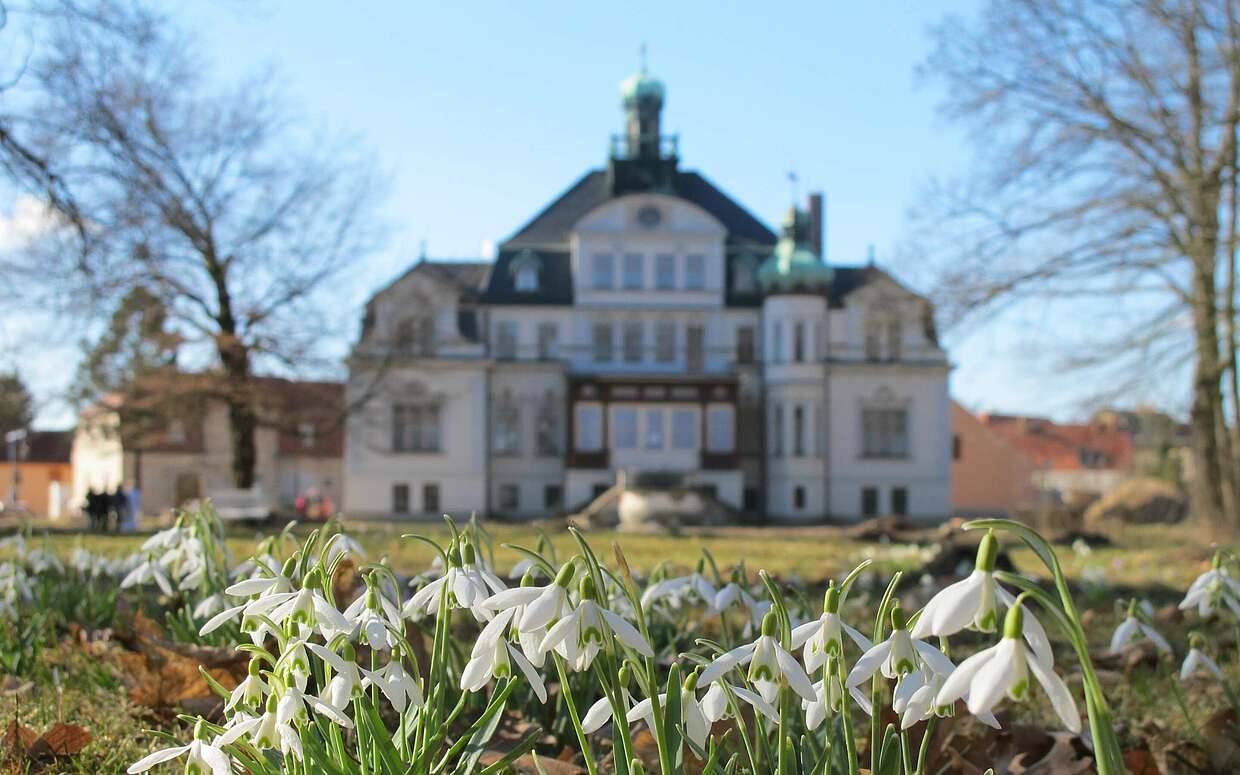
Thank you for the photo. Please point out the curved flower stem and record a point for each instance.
(829, 721)
(567, 693)
(925, 746)
(850, 742)
(1109, 758)
(735, 707)
(783, 725)
(876, 685)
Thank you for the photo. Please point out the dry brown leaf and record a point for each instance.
(18, 738)
(1140, 761)
(61, 740)
(1062, 759)
(1222, 743)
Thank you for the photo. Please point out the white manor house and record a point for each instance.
(646, 325)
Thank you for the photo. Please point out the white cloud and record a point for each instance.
(27, 220)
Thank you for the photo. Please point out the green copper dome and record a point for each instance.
(641, 86)
(794, 267)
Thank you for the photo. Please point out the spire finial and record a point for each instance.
(642, 56)
(422, 250)
(794, 185)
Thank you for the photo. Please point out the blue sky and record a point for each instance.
(480, 113)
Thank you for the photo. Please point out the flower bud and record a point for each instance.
(287, 569)
(770, 624)
(987, 552)
(468, 556)
(624, 675)
(831, 599)
(200, 731)
(255, 667)
(691, 680)
(565, 576)
(898, 620)
(527, 579)
(1014, 623)
(586, 587)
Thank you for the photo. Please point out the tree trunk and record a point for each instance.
(1229, 325)
(1208, 475)
(242, 416)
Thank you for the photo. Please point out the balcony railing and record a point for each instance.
(625, 147)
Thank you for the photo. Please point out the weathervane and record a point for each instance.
(793, 181)
(642, 56)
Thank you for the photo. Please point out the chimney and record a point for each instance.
(816, 223)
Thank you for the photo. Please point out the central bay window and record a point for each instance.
(547, 426)
(624, 427)
(665, 341)
(633, 331)
(720, 429)
(507, 427)
(654, 429)
(633, 273)
(588, 428)
(798, 431)
(684, 429)
(548, 333)
(798, 341)
(695, 273)
(884, 433)
(506, 340)
(665, 272)
(415, 428)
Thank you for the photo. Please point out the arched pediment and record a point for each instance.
(657, 214)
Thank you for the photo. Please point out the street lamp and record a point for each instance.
(14, 439)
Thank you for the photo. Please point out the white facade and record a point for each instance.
(624, 329)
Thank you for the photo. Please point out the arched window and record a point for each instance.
(525, 269)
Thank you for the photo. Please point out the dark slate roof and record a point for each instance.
(551, 227)
(847, 279)
(470, 277)
(43, 447)
(555, 279)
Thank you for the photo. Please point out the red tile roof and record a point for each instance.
(1064, 446)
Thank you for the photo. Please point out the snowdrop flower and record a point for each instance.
(533, 608)
(823, 637)
(585, 630)
(375, 617)
(974, 602)
(347, 681)
(264, 581)
(493, 656)
(1210, 589)
(307, 608)
(165, 539)
(251, 691)
(899, 655)
(209, 606)
(342, 544)
(469, 583)
(698, 715)
(829, 696)
(145, 573)
(40, 561)
(1005, 669)
(396, 684)
(770, 667)
(732, 594)
(1132, 627)
(200, 757)
(673, 590)
(1196, 660)
(914, 699)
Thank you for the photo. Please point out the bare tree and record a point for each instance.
(1106, 140)
(241, 221)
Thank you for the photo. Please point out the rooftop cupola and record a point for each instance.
(642, 159)
(794, 267)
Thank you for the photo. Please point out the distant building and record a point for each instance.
(183, 457)
(991, 476)
(645, 322)
(41, 474)
(1069, 459)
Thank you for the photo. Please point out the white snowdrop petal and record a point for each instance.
(598, 715)
(957, 684)
(993, 679)
(868, 663)
(795, 674)
(1057, 690)
(627, 633)
(725, 662)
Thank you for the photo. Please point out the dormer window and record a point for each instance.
(525, 270)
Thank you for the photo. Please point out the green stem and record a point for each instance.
(567, 692)
(850, 742)
(783, 724)
(906, 753)
(925, 746)
(1180, 700)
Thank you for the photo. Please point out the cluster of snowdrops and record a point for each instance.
(415, 676)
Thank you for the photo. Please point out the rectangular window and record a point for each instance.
(507, 425)
(777, 342)
(695, 273)
(777, 431)
(869, 501)
(588, 428)
(415, 428)
(634, 271)
(665, 272)
(400, 498)
(798, 431)
(603, 268)
(895, 340)
(884, 433)
(509, 497)
(306, 431)
(654, 429)
(957, 447)
(430, 498)
(872, 341)
(633, 335)
(548, 335)
(547, 427)
(899, 501)
(506, 340)
(553, 496)
(665, 342)
(798, 341)
(603, 351)
(624, 428)
(684, 429)
(695, 347)
(744, 344)
(798, 497)
(720, 429)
